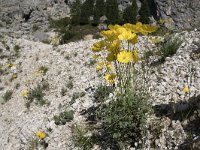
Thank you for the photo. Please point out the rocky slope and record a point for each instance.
(72, 62)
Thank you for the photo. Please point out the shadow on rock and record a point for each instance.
(178, 111)
(184, 111)
(101, 134)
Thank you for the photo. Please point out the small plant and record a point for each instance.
(80, 138)
(38, 140)
(91, 63)
(32, 144)
(124, 116)
(37, 94)
(16, 48)
(43, 70)
(7, 96)
(76, 95)
(60, 24)
(69, 84)
(17, 86)
(169, 47)
(63, 91)
(102, 93)
(14, 76)
(66, 36)
(64, 117)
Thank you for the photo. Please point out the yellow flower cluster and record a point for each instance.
(41, 135)
(114, 42)
(110, 78)
(24, 93)
(186, 90)
(155, 40)
(14, 76)
(9, 65)
(39, 72)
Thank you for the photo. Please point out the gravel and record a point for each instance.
(19, 125)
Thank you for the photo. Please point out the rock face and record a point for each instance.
(23, 14)
(184, 13)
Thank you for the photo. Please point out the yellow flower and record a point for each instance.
(98, 68)
(124, 57)
(127, 35)
(186, 90)
(120, 29)
(24, 93)
(113, 46)
(136, 57)
(14, 76)
(146, 29)
(128, 26)
(100, 63)
(109, 35)
(110, 78)
(114, 27)
(97, 47)
(109, 66)
(133, 28)
(39, 72)
(155, 40)
(9, 65)
(41, 135)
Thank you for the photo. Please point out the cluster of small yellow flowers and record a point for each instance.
(101, 64)
(97, 47)
(10, 65)
(186, 90)
(155, 40)
(110, 78)
(39, 72)
(24, 93)
(113, 44)
(14, 76)
(41, 135)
